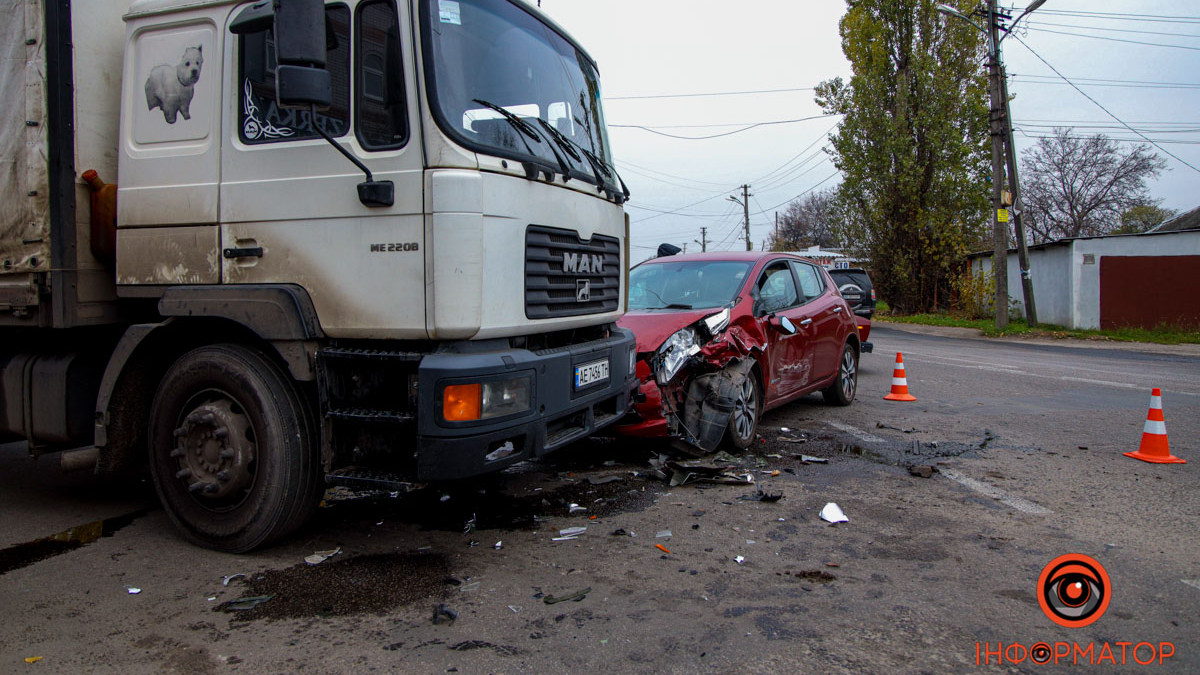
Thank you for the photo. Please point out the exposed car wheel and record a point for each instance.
(747, 409)
(233, 449)
(845, 385)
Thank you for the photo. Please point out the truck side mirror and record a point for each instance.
(301, 80)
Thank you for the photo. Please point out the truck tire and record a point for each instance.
(841, 391)
(233, 449)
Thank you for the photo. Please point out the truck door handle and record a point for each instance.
(252, 252)
(806, 322)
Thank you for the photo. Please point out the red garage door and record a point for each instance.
(1147, 291)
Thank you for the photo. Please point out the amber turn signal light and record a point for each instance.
(462, 402)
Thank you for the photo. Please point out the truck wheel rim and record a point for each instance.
(215, 449)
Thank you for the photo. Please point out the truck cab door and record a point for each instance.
(289, 205)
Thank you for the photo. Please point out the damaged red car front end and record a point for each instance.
(724, 337)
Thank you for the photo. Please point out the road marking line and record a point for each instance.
(1194, 583)
(856, 432)
(1124, 385)
(1015, 502)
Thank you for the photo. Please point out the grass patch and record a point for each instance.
(1163, 335)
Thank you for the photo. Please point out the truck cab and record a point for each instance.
(434, 298)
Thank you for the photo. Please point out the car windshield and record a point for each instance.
(503, 82)
(692, 284)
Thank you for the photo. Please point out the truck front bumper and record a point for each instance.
(559, 412)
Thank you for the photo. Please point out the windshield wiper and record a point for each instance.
(525, 129)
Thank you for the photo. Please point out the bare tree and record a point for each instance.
(810, 221)
(1079, 186)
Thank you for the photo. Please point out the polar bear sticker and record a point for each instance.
(170, 87)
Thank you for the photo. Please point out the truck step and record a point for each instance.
(365, 415)
(357, 478)
(370, 354)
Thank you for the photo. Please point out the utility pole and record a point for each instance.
(703, 240)
(745, 202)
(999, 227)
(1017, 205)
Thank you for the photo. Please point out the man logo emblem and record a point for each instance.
(583, 290)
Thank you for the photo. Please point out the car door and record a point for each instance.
(826, 311)
(788, 356)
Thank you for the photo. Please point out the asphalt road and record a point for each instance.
(928, 575)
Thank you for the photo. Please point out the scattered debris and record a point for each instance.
(498, 545)
(319, 557)
(570, 533)
(601, 480)
(809, 459)
(819, 576)
(881, 425)
(243, 604)
(662, 548)
(133, 591)
(663, 534)
(516, 609)
(225, 580)
(739, 559)
(468, 527)
(33, 659)
(760, 496)
(619, 532)
(575, 508)
(832, 565)
(445, 497)
(473, 586)
(576, 596)
(786, 439)
(833, 513)
(923, 470)
(442, 612)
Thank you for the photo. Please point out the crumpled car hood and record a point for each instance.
(653, 327)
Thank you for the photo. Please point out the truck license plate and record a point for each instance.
(590, 373)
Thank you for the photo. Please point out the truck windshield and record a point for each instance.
(481, 55)
(686, 285)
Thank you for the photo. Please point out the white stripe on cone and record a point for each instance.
(899, 382)
(1154, 427)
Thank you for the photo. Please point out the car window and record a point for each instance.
(776, 288)
(811, 281)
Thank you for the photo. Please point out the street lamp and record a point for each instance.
(1002, 136)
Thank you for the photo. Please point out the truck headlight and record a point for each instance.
(674, 353)
(476, 401)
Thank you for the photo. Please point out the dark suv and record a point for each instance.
(857, 289)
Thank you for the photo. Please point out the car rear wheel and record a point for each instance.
(747, 409)
(233, 448)
(845, 385)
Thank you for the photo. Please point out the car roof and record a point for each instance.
(713, 256)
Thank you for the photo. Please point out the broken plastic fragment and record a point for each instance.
(575, 508)
(498, 545)
(32, 659)
(662, 548)
(808, 459)
(576, 596)
(319, 557)
(572, 531)
(663, 534)
(243, 604)
(501, 452)
(833, 514)
(133, 591)
(225, 580)
(739, 559)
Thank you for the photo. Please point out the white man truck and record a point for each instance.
(367, 242)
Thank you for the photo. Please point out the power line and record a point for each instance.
(1110, 30)
(1106, 110)
(712, 93)
(1120, 16)
(727, 133)
(1113, 39)
(823, 181)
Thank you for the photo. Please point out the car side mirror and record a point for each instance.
(782, 324)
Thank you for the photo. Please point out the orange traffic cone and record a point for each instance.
(899, 383)
(1154, 447)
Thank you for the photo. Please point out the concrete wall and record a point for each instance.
(1066, 277)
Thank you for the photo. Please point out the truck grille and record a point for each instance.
(558, 267)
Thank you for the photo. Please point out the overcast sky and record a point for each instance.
(672, 49)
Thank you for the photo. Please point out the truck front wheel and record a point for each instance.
(233, 449)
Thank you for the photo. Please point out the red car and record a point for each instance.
(722, 337)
